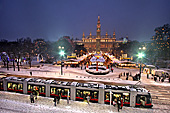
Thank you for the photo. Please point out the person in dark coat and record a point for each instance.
(118, 104)
(31, 73)
(58, 99)
(121, 103)
(112, 69)
(32, 98)
(54, 101)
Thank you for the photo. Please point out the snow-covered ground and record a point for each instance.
(20, 103)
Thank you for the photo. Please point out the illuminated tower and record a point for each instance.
(106, 35)
(114, 36)
(83, 37)
(98, 36)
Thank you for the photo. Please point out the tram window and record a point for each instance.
(65, 92)
(107, 96)
(43, 89)
(40, 89)
(14, 86)
(94, 95)
(36, 88)
(116, 96)
(79, 93)
(10, 85)
(1, 84)
(20, 87)
(53, 90)
(58, 91)
(30, 88)
(126, 97)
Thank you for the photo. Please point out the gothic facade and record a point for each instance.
(98, 42)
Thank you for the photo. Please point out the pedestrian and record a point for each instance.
(88, 99)
(36, 95)
(118, 104)
(159, 78)
(32, 98)
(162, 80)
(121, 102)
(124, 73)
(31, 73)
(112, 69)
(127, 77)
(55, 101)
(119, 75)
(155, 78)
(169, 79)
(147, 76)
(114, 103)
(67, 99)
(130, 74)
(58, 99)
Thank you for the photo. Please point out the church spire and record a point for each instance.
(83, 35)
(114, 36)
(106, 35)
(98, 28)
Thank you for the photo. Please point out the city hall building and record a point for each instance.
(100, 43)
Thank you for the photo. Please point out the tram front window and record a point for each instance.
(143, 100)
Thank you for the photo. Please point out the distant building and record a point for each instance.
(101, 43)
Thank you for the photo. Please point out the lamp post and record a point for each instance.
(61, 54)
(140, 56)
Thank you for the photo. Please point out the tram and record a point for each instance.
(99, 93)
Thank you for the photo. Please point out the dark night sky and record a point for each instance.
(51, 19)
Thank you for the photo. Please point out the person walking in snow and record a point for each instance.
(88, 99)
(54, 101)
(118, 104)
(31, 98)
(58, 99)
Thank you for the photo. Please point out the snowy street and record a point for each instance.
(20, 103)
(14, 102)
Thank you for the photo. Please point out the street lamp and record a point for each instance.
(140, 56)
(62, 53)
